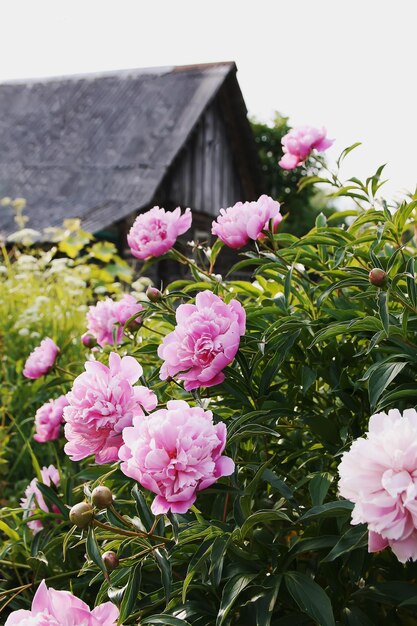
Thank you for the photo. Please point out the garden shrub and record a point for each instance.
(292, 363)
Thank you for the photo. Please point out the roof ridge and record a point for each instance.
(120, 73)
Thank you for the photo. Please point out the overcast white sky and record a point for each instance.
(347, 64)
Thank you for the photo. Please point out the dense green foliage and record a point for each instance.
(273, 544)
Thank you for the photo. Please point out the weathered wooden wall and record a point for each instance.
(204, 176)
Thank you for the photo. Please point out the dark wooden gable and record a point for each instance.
(205, 176)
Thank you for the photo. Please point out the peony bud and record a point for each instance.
(102, 497)
(88, 340)
(377, 277)
(110, 560)
(81, 514)
(154, 294)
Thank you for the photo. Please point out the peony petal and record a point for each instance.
(376, 542)
(289, 162)
(105, 614)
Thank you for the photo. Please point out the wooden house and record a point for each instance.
(105, 147)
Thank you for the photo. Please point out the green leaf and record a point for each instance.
(262, 517)
(12, 534)
(287, 286)
(314, 544)
(355, 537)
(72, 244)
(93, 551)
(310, 598)
(142, 508)
(340, 508)
(276, 483)
(103, 250)
(37, 560)
(164, 620)
(253, 429)
(346, 151)
(120, 269)
(317, 238)
(164, 567)
(365, 324)
(383, 309)
(310, 180)
(246, 287)
(411, 281)
(35, 462)
(393, 592)
(217, 559)
(231, 591)
(375, 260)
(308, 377)
(174, 525)
(375, 180)
(321, 221)
(347, 282)
(198, 559)
(319, 486)
(252, 416)
(65, 542)
(266, 603)
(381, 378)
(131, 592)
(281, 349)
(50, 494)
(214, 252)
(402, 215)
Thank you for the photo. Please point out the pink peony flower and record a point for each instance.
(155, 232)
(299, 143)
(102, 402)
(108, 315)
(48, 419)
(238, 224)
(205, 340)
(40, 361)
(175, 452)
(379, 474)
(34, 499)
(61, 608)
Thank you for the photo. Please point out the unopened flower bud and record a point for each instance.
(110, 560)
(88, 340)
(81, 514)
(102, 497)
(377, 277)
(154, 294)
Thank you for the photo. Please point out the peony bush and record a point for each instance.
(223, 451)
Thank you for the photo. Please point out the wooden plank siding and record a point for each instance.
(204, 176)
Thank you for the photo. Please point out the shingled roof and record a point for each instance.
(98, 146)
